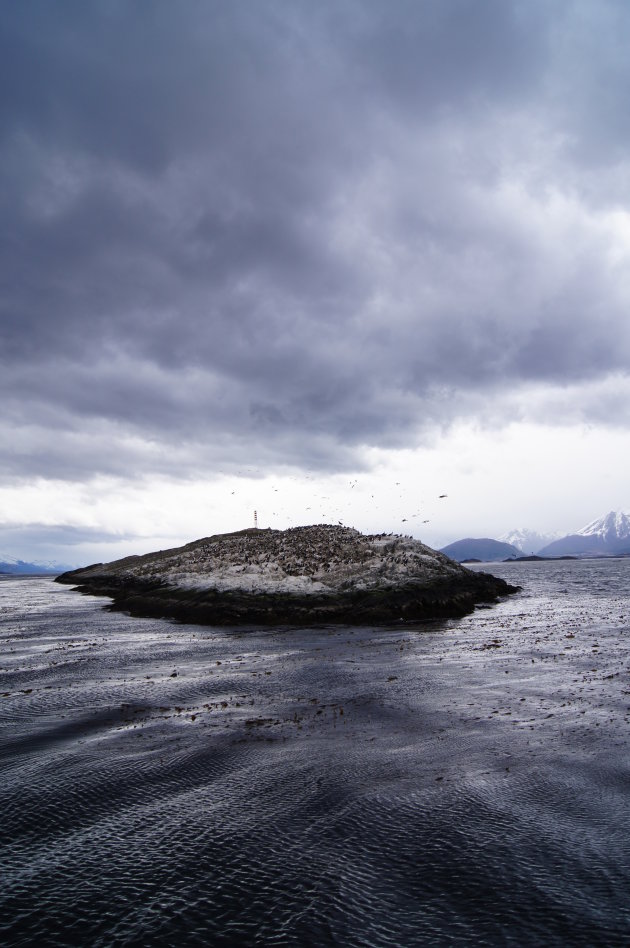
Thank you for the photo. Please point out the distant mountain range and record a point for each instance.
(16, 567)
(528, 541)
(607, 536)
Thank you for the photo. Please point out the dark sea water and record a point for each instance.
(459, 783)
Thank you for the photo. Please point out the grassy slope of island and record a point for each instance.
(303, 576)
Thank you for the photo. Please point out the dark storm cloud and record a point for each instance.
(55, 535)
(282, 232)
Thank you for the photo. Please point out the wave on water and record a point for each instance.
(453, 783)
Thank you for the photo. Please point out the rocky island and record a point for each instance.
(300, 576)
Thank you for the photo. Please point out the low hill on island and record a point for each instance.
(304, 575)
(483, 549)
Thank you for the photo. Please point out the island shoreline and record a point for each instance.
(412, 602)
(303, 576)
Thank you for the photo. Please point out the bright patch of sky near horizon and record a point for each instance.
(547, 470)
(256, 254)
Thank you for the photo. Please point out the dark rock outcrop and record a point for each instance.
(305, 576)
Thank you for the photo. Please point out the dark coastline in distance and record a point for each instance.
(534, 558)
(553, 559)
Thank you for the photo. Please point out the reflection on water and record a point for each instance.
(464, 782)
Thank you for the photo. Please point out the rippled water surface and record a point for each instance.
(463, 782)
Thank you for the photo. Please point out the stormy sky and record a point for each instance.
(323, 260)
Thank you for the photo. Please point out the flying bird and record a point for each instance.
(442, 495)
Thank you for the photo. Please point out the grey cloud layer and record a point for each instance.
(283, 231)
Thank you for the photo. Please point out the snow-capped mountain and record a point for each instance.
(528, 541)
(15, 566)
(614, 526)
(6, 560)
(606, 535)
